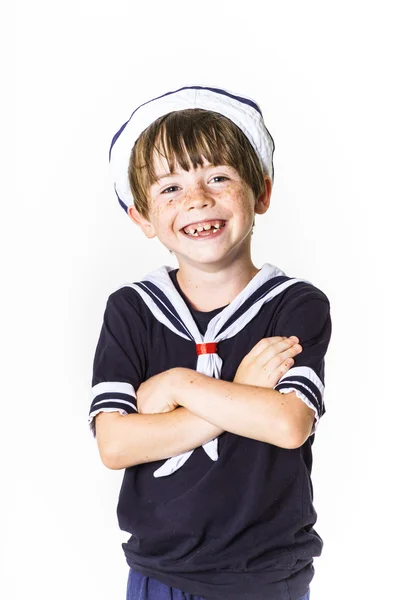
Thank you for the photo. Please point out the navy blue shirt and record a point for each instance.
(242, 527)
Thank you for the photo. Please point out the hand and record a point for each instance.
(156, 394)
(268, 361)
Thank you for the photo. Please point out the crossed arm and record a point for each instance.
(182, 409)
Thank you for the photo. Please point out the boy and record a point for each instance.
(201, 391)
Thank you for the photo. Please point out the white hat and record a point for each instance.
(244, 112)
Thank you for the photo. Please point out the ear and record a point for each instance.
(262, 202)
(145, 225)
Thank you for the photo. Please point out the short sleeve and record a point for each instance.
(119, 361)
(308, 318)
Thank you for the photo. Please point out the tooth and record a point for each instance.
(199, 228)
(215, 230)
(217, 225)
(192, 231)
(195, 234)
(207, 227)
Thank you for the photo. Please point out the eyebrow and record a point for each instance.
(159, 177)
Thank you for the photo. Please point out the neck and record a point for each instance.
(209, 289)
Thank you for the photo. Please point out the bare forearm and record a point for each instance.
(255, 412)
(140, 438)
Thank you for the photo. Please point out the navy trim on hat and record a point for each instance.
(188, 87)
(122, 203)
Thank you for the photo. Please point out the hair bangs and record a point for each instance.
(184, 143)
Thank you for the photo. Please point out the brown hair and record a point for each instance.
(183, 138)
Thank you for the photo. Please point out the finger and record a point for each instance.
(270, 361)
(274, 349)
(274, 362)
(265, 343)
(279, 372)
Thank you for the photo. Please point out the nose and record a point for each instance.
(197, 197)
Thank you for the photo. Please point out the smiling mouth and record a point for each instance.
(204, 229)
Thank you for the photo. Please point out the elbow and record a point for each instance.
(116, 460)
(294, 443)
(111, 458)
(295, 437)
(112, 464)
(110, 461)
(110, 440)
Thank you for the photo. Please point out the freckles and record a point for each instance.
(233, 188)
(236, 191)
(158, 211)
(234, 195)
(163, 218)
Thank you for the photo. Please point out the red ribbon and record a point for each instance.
(210, 348)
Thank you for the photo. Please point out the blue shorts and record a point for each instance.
(141, 587)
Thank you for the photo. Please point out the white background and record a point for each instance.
(326, 77)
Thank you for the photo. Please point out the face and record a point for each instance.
(204, 216)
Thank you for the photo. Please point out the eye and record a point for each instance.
(220, 178)
(170, 189)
